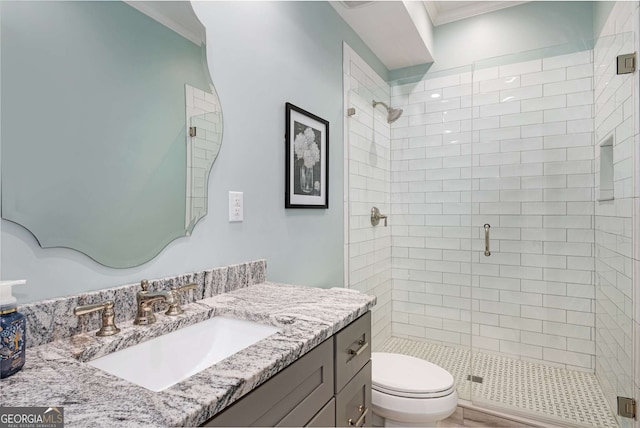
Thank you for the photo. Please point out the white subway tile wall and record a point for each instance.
(616, 114)
(367, 184)
(522, 162)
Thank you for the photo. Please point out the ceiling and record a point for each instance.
(388, 29)
(400, 32)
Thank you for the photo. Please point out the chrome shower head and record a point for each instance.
(393, 114)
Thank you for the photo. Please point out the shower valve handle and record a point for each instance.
(376, 216)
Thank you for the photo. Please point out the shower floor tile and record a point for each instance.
(571, 395)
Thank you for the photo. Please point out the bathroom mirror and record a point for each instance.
(110, 125)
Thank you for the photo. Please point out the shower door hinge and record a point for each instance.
(627, 407)
(627, 63)
(192, 131)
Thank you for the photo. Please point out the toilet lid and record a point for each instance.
(407, 376)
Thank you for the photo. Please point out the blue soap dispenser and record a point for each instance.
(12, 331)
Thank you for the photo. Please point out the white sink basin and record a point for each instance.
(166, 360)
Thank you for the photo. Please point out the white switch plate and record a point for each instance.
(236, 206)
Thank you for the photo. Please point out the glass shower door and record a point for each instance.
(533, 289)
(552, 231)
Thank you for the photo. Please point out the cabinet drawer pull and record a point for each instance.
(355, 352)
(360, 420)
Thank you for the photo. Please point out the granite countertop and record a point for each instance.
(55, 374)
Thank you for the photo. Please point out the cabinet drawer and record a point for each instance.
(353, 403)
(290, 398)
(325, 417)
(353, 349)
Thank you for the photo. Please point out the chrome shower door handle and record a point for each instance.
(487, 252)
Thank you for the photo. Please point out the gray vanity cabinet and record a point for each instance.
(353, 373)
(329, 386)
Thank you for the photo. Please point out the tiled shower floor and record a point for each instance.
(568, 394)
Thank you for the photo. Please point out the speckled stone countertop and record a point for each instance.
(55, 375)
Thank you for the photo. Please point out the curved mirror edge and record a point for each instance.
(124, 263)
(126, 254)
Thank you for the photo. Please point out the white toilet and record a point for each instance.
(408, 391)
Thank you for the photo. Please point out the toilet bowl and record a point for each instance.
(409, 391)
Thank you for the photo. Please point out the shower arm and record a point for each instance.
(375, 103)
(392, 113)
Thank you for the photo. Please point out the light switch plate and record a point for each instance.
(236, 206)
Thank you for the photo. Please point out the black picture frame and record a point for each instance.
(306, 159)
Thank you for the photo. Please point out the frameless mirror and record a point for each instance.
(110, 125)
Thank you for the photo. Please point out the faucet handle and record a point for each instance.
(174, 308)
(144, 284)
(108, 316)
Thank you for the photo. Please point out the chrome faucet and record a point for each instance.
(145, 300)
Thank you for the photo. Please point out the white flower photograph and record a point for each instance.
(306, 178)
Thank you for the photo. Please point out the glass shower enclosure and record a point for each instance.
(508, 258)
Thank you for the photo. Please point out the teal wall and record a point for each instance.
(262, 55)
(601, 11)
(530, 26)
(527, 27)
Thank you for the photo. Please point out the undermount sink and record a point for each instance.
(166, 360)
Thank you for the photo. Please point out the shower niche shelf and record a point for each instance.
(605, 185)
